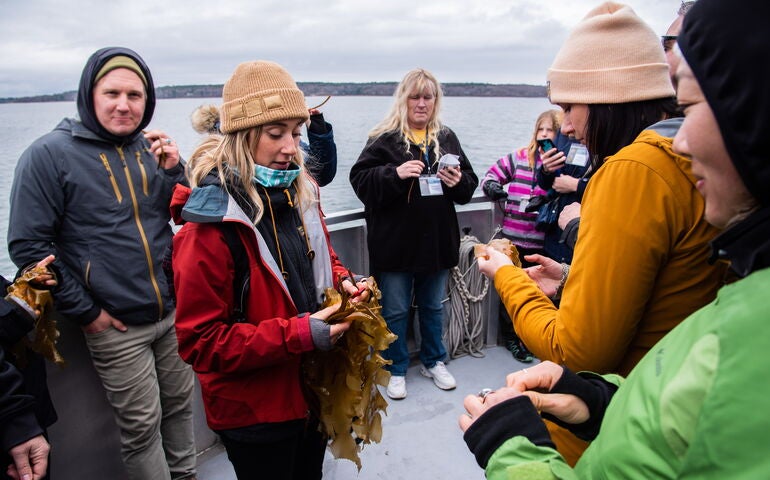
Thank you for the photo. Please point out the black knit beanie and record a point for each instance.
(727, 45)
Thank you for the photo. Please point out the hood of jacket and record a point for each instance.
(726, 47)
(208, 203)
(85, 97)
(746, 244)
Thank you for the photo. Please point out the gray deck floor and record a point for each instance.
(421, 438)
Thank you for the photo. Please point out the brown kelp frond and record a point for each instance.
(344, 379)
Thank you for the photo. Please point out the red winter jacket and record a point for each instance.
(249, 372)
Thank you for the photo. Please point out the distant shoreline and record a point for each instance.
(320, 89)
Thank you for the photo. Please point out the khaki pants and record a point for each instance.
(150, 389)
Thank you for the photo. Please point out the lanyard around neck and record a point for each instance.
(424, 148)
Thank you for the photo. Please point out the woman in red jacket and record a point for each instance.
(250, 183)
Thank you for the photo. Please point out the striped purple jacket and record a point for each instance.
(514, 170)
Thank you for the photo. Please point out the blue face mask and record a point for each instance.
(267, 177)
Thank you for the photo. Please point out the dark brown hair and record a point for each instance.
(611, 127)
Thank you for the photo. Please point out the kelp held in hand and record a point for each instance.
(344, 379)
(45, 333)
(503, 245)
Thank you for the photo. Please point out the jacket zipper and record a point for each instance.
(138, 221)
(115, 188)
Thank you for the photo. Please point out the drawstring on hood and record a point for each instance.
(85, 99)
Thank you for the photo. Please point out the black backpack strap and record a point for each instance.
(241, 262)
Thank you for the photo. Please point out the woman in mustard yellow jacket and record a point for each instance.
(641, 260)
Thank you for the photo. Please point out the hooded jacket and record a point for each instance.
(249, 371)
(100, 204)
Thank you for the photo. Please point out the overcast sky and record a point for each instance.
(45, 43)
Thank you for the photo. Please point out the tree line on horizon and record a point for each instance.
(321, 89)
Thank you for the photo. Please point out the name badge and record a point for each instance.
(523, 202)
(430, 186)
(578, 155)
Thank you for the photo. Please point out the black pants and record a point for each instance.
(295, 455)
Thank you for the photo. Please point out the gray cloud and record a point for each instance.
(45, 44)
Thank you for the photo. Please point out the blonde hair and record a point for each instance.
(230, 155)
(420, 81)
(555, 117)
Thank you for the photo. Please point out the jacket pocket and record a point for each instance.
(114, 182)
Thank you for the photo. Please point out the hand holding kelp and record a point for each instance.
(344, 379)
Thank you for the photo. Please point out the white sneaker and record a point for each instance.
(440, 375)
(397, 387)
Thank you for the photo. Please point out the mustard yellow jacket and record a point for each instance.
(640, 265)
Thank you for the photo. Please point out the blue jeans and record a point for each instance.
(429, 290)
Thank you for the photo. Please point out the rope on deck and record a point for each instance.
(467, 289)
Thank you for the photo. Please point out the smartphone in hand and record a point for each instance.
(546, 144)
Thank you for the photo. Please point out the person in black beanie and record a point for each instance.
(687, 409)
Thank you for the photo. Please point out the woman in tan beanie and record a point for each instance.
(641, 259)
(252, 203)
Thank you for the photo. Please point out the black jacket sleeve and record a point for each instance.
(17, 419)
(581, 188)
(544, 180)
(15, 322)
(570, 233)
(511, 418)
(322, 150)
(373, 176)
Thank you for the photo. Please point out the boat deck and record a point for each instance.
(421, 438)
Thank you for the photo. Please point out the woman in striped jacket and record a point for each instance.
(517, 170)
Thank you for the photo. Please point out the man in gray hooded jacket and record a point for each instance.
(95, 192)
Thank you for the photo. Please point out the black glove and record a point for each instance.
(595, 391)
(318, 124)
(493, 190)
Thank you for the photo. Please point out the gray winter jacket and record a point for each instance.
(102, 209)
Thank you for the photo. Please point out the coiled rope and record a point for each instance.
(468, 287)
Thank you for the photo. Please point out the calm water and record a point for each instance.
(487, 127)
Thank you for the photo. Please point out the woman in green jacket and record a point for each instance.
(694, 406)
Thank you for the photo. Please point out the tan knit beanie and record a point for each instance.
(611, 56)
(258, 93)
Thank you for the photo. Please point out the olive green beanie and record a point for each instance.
(120, 61)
